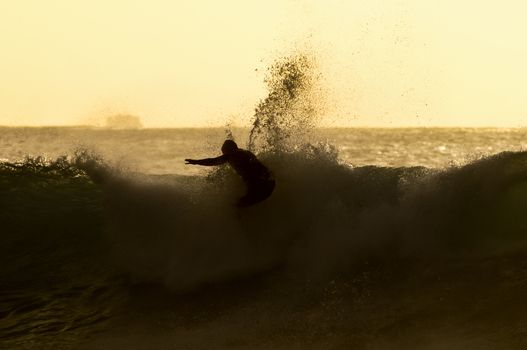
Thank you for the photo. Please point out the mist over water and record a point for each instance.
(373, 238)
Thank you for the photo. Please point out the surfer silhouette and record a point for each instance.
(258, 179)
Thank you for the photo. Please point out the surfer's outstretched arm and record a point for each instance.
(208, 161)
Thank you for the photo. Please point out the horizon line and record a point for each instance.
(86, 126)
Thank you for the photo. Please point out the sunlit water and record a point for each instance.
(162, 151)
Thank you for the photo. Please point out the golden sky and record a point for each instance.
(201, 63)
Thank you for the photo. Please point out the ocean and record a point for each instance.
(162, 151)
(394, 238)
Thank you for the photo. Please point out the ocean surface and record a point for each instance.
(404, 238)
(162, 151)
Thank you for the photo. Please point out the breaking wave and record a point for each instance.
(324, 217)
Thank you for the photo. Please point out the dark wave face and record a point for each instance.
(334, 244)
(50, 276)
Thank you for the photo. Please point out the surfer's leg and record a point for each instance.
(257, 193)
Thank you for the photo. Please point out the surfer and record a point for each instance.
(257, 178)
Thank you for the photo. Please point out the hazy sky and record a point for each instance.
(201, 63)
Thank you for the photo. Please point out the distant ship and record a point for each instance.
(123, 121)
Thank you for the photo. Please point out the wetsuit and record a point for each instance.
(258, 179)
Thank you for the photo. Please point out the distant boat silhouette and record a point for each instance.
(123, 121)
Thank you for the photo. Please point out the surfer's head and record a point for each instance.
(229, 146)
